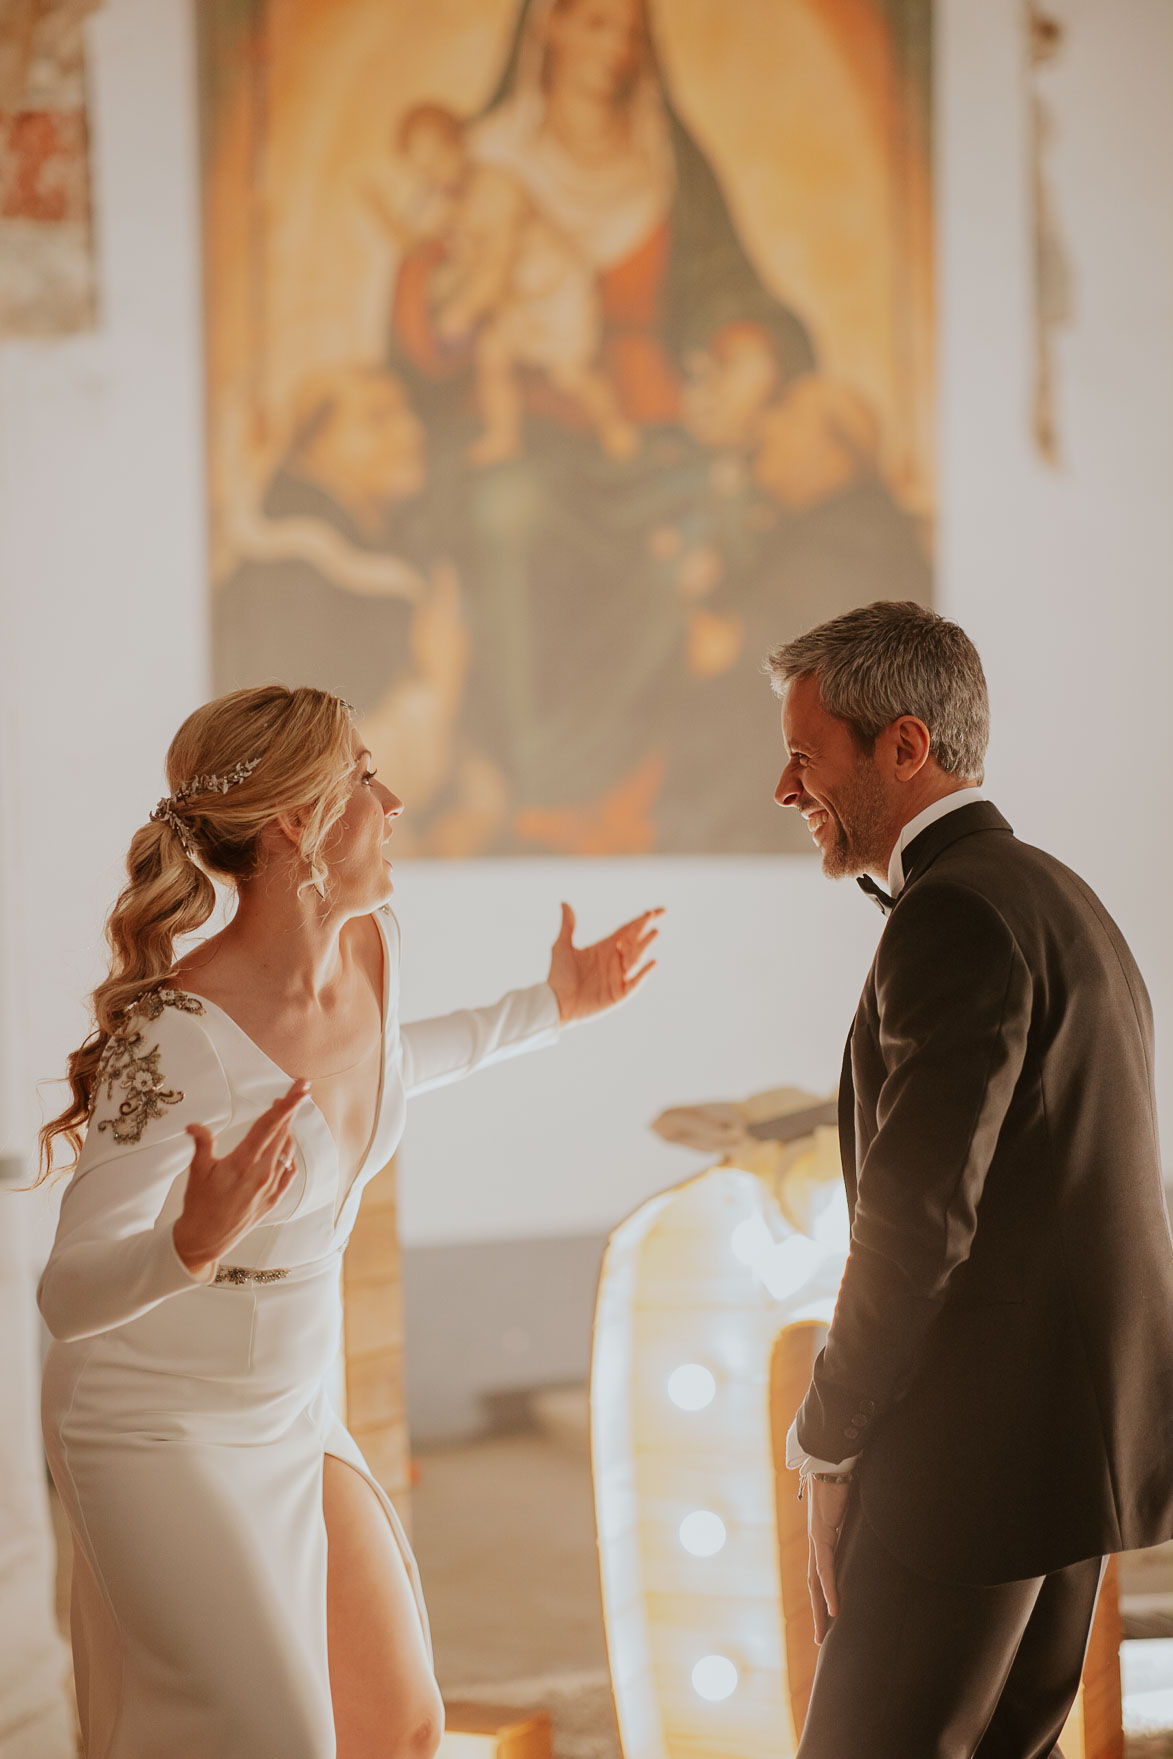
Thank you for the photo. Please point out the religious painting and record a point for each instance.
(564, 356)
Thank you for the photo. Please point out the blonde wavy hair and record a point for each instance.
(301, 743)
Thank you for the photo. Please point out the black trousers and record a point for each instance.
(915, 1669)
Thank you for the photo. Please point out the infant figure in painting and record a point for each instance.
(509, 279)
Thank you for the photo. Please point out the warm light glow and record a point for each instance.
(691, 1386)
(830, 1225)
(684, 1479)
(702, 1533)
(455, 1744)
(750, 1240)
(1146, 1666)
(790, 1265)
(789, 1261)
(714, 1677)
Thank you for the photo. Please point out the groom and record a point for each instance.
(993, 1411)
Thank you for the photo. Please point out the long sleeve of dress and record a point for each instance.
(113, 1257)
(452, 1045)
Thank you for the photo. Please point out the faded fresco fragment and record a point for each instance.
(564, 356)
(47, 267)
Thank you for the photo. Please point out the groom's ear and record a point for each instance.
(910, 747)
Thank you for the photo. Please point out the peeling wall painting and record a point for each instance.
(563, 357)
(48, 284)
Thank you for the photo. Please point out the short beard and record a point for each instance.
(862, 833)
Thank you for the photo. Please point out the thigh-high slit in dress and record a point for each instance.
(186, 1422)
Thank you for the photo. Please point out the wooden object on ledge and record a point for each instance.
(793, 1126)
(372, 1299)
(790, 1371)
(496, 1731)
(1095, 1728)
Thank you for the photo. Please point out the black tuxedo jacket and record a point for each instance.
(1002, 1348)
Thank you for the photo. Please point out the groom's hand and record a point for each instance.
(826, 1508)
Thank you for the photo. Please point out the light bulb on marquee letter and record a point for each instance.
(702, 1533)
(714, 1677)
(691, 1386)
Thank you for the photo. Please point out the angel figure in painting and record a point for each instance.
(242, 1587)
(508, 280)
(809, 440)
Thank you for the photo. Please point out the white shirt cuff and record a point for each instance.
(799, 1461)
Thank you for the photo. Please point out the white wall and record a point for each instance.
(101, 544)
(1063, 578)
(760, 964)
(102, 650)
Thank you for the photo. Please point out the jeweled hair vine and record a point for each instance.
(167, 811)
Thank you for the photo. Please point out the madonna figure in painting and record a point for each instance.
(633, 485)
(242, 1588)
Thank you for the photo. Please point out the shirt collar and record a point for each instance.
(939, 808)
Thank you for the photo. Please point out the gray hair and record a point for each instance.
(896, 658)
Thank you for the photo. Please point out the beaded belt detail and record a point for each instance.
(240, 1273)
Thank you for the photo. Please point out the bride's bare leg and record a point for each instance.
(386, 1705)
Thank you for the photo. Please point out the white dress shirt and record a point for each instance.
(796, 1459)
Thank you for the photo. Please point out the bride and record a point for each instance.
(242, 1586)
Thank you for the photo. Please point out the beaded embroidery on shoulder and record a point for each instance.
(155, 1000)
(134, 1067)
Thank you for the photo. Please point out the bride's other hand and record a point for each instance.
(586, 980)
(227, 1197)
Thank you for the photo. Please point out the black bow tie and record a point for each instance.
(877, 894)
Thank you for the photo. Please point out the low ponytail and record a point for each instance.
(234, 765)
(166, 895)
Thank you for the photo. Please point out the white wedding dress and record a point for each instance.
(186, 1422)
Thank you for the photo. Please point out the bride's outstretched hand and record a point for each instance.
(588, 979)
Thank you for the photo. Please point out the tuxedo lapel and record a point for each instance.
(847, 1122)
(918, 858)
